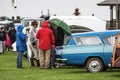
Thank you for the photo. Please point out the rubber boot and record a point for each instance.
(38, 63)
(32, 62)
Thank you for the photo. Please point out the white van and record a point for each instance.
(83, 23)
(26, 22)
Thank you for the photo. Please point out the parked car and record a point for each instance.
(83, 23)
(92, 50)
(6, 24)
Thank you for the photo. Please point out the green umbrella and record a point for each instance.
(57, 22)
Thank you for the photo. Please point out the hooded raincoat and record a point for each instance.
(32, 41)
(20, 40)
(45, 36)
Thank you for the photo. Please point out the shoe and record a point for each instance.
(21, 67)
(52, 67)
(37, 62)
(32, 62)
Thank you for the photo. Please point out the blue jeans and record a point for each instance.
(19, 59)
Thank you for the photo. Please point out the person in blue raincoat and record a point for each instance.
(20, 45)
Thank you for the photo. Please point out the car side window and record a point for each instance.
(88, 40)
(66, 39)
(110, 40)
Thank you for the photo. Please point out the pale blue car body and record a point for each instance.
(78, 54)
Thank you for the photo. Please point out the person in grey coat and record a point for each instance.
(33, 51)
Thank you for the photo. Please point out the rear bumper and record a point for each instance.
(62, 60)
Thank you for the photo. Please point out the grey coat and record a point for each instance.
(32, 41)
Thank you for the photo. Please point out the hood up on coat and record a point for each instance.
(45, 24)
(20, 28)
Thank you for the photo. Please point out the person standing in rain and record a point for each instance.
(12, 34)
(59, 41)
(76, 13)
(46, 40)
(59, 37)
(33, 45)
(2, 40)
(20, 45)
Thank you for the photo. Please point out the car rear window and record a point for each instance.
(88, 40)
(110, 40)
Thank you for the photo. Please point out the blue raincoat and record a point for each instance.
(20, 40)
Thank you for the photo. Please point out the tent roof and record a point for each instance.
(109, 2)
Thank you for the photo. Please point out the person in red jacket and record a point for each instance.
(46, 41)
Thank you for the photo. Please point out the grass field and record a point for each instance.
(8, 71)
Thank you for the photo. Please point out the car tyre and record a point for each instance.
(94, 65)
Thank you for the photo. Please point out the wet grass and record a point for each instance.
(8, 71)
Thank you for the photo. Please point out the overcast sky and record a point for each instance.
(32, 8)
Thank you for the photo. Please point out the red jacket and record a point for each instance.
(45, 36)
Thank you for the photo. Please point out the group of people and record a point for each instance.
(7, 38)
(40, 44)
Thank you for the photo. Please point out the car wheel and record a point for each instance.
(94, 65)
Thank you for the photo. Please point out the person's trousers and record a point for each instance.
(19, 59)
(2, 46)
(44, 58)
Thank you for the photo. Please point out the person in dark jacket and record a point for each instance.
(12, 34)
(20, 45)
(59, 38)
(46, 40)
(2, 40)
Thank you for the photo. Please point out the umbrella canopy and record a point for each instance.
(57, 22)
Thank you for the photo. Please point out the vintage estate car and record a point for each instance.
(92, 50)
